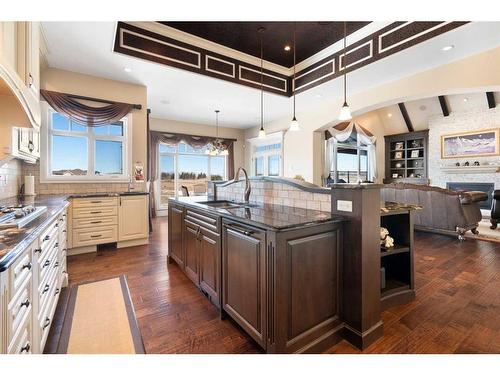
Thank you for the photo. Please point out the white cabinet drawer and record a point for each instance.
(19, 309)
(94, 236)
(93, 222)
(22, 342)
(20, 271)
(47, 262)
(49, 288)
(45, 320)
(94, 212)
(94, 202)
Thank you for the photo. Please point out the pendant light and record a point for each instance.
(345, 111)
(262, 132)
(294, 124)
(217, 146)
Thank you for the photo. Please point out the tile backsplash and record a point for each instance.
(75, 188)
(277, 193)
(10, 179)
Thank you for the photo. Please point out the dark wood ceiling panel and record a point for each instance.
(312, 37)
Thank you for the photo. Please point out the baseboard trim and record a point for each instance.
(82, 250)
(129, 243)
(362, 340)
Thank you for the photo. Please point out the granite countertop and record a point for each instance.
(14, 241)
(388, 207)
(269, 216)
(97, 195)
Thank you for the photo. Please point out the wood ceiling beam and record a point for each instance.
(490, 96)
(406, 117)
(444, 105)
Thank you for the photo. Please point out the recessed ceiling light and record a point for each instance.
(422, 107)
(466, 100)
(389, 115)
(127, 69)
(447, 48)
(287, 48)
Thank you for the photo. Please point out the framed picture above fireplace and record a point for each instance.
(484, 142)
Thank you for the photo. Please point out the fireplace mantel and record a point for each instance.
(471, 169)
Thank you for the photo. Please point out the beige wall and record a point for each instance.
(476, 73)
(205, 130)
(96, 87)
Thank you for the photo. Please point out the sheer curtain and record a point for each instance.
(339, 135)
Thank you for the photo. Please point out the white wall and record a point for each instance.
(474, 119)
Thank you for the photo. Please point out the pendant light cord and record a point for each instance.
(261, 82)
(294, 63)
(345, 63)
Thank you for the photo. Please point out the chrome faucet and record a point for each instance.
(130, 184)
(248, 189)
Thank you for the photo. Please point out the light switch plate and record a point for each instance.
(345, 206)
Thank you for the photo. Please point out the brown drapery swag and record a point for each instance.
(84, 114)
(172, 139)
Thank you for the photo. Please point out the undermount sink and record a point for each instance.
(226, 204)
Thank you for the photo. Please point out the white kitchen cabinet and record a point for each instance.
(133, 217)
(30, 288)
(25, 144)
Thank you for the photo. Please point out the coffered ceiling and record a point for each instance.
(311, 37)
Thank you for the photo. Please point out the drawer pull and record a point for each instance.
(96, 222)
(46, 289)
(47, 237)
(57, 292)
(243, 231)
(26, 266)
(26, 303)
(61, 219)
(39, 250)
(95, 235)
(64, 231)
(56, 244)
(56, 265)
(47, 323)
(26, 348)
(57, 225)
(95, 212)
(47, 262)
(64, 215)
(95, 201)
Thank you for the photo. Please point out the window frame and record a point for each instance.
(46, 154)
(177, 184)
(273, 138)
(359, 147)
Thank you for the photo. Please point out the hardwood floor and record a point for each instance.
(457, 308)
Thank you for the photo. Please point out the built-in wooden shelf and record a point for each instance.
(397, 249)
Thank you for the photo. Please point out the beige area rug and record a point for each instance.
(100, 319)
(485, 233)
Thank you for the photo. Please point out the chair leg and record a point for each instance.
(461, 234)
(474, 231)
(494, 223)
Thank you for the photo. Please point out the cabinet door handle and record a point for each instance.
(57, 292)
(26, 348)
(243, 231)
(56, 244)
(30, 79)
(47, 237)
(26, 303)
(27, 266)
(39, 250)
(31, 146)
(47, 323)
(46, 288)
(95, 212)
(96, 222)
(64, 231)
(47, 262)
(56, 265)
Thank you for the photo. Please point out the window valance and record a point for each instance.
(71, 106)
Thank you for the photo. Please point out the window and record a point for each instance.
(267, 154)
(183, 165)
(75, 152)
(350, 161)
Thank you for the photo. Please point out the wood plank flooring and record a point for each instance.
(457, 308)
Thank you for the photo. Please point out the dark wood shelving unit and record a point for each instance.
(409, 169)
(397, 262)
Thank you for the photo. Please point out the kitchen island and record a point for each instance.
(273, 269)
